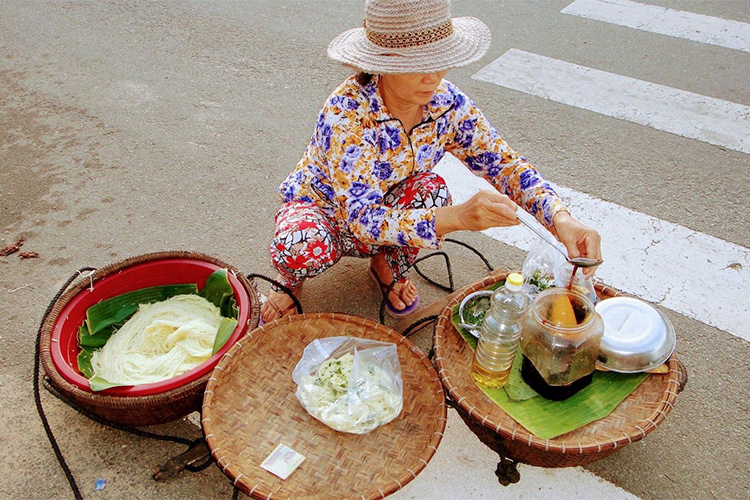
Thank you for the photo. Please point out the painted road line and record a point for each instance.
(676, 23)
(694, 274)
(707, 119)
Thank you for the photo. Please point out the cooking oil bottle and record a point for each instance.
(500, 334)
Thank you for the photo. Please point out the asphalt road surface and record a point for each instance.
(131, 127)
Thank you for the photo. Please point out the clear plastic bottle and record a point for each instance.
(500, 334)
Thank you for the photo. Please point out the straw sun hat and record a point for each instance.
(411, 36)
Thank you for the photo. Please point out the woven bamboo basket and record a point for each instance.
(133, 410)
(636, 416)
(250, 407)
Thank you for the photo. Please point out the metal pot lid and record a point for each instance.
(637, 337)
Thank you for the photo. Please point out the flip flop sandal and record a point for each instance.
(392, 311)
(280, 313)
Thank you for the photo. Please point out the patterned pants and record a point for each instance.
(308, 240)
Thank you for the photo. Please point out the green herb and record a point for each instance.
(475, 309)
(540, 281)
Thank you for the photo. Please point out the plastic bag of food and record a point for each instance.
(546, 267)
(350, 384)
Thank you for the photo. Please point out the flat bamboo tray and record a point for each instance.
(632, 420)
(250, 407)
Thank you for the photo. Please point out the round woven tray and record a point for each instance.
(134, 410)
(631, 421)
(250, 407)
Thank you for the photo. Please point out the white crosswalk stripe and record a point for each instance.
(691, 273)
(697, 27)
(694, 274)
(664, 108)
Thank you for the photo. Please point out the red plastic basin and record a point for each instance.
(64, 338)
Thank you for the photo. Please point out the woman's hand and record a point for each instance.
(484, 210)
(579, 239)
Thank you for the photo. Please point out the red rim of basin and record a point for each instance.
(64, 338)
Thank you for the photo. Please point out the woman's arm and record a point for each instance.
(478, 145)
(482, 150)
(482, 211)
(488, 209)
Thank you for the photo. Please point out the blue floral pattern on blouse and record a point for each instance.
(359, 151)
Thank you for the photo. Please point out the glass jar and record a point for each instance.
(561, 337)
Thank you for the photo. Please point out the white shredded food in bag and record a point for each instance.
(160, 341)
(350, 405)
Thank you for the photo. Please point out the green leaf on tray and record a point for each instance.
(96, 340)
(516, 387)
(546, 418)
(226, 327)
(117, 309)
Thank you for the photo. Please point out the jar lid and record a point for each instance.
(637, 337)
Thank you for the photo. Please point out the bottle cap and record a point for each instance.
(514, 281)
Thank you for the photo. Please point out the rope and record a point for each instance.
(419, 322)
(477, 252)
(37, 395)
(205, 465)
(283, 288)
(449, 288)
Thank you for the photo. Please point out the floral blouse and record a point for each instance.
(358, 151)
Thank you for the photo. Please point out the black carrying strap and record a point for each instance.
(283, 288)
(37, 395)
(449, 288)
(418, 325)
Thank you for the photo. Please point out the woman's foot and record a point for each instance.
(403, 294)
(277, 305)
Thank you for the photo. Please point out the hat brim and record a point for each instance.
(468, 43)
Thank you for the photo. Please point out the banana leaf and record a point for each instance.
(84, 361)
(546, 418)
(516, 387)
(117, 309)
(96, 340)
(226, 327)
(219, 292)
(98, 383)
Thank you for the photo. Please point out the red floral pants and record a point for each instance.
(308, 240)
